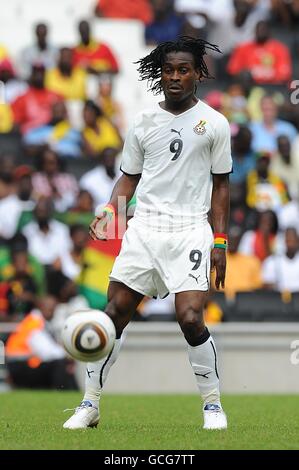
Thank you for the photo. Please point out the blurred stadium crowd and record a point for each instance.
(61, 134)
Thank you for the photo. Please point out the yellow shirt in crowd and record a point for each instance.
(3, 52)
(243, 274)
(106, 137)
(6, 118)
(71, 88)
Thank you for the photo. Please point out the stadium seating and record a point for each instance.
(11, 144)
(295, 303)
(260, 306)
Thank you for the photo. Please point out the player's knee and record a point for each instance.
(192, 324)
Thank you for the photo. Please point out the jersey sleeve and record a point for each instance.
(221, 159)
(132, 155)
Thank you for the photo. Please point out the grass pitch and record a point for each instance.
(33, 420)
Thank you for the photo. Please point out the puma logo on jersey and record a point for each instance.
(194, 277)
(89, 372)
(200, 128)
(177, 132)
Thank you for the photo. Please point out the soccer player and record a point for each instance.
(178, 153)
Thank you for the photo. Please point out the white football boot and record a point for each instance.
(86, 416)
(214, 417)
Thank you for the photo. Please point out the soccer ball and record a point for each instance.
(88, 335)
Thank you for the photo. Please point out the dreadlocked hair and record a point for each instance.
(150, 66)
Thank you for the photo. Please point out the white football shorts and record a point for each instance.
(158, 263)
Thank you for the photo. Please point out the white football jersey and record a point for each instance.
(176, 156)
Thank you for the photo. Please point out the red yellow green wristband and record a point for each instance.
(109, 211)
(220, 240)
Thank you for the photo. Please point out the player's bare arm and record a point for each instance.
(124, 188)
(220, 214)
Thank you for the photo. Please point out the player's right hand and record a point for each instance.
(98, 227)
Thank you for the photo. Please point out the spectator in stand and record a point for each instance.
(202, 16)
(6, 119)
(14, 87)
(243, 272)
(48, 239)
(16, 198)
(265, 190)
(288, 216)
(18, 288)
(281, 164)
(286, 12)
(243, 156)
(84, 203)
(268, 60)
(234, 103)
(34, 359)
(22, 287)
(72, 261)
(166, 25)
(281, 271)
(111, 108)
(65, 79)
(264, 240)
(33, 108)
(53, 183)
(93, 56)
(98, 133)
(266, 132)
(239, 17)
(295, 152)
(100, 180)
(58, 134)
(243, 87)
(10, 207)
(7, 165)
(41, 52)
(3, 53)
(6, 115)
(240, 214)
(22, 201)
(4, 57)
(80, 213)
(125, 9)
(19, 245)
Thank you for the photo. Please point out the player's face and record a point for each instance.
(179, 76)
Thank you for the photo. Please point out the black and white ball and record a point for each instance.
(88, 335)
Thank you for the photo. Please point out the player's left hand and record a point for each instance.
(218, 262)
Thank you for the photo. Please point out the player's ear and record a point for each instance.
(198, 75)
